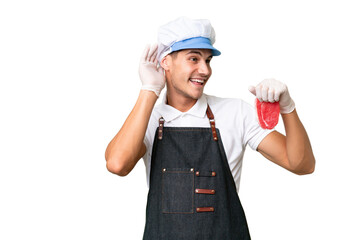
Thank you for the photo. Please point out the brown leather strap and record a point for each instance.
(205, 209)
(161, 127)
(212, 122)
(209, 114)
(205, 191)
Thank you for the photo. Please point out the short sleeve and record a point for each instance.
(148, 141)
(149, 135)
(253, 133)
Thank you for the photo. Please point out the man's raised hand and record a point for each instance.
(271, 90)
(151, 75)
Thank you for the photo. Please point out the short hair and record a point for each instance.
(174, 54)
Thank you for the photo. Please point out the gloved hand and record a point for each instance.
(151, 76)
(271, 90)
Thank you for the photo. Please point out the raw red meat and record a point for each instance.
(268, 113)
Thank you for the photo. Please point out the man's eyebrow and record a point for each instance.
(194, 51)
(197, 52)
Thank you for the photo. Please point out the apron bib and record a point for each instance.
(192, 193)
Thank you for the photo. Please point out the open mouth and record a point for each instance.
(197, 81)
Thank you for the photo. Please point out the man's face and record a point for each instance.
(187, 72)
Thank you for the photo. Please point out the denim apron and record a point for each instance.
(192, 193)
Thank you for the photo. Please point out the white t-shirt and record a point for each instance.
(235, 119)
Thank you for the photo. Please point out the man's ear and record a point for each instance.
(165, 62)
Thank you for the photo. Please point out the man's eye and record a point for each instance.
(193, 59)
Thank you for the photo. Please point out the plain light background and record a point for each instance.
(69, 79)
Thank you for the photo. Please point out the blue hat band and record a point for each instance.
(195, 43)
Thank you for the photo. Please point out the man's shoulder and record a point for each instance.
(222, 101)
(230, 107)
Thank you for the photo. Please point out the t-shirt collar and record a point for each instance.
(170, 113)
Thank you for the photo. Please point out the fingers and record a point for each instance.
(153, 53)
(264, 93)
(277, 96)
(252, 90)
(145, 53)
(272, 90)
(150, 53)
(259, 92)
(268, 90)
(160, 69)
(271, 94)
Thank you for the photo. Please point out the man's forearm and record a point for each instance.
(298, 147)
(125, 148)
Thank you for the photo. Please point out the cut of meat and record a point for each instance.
(268, 113)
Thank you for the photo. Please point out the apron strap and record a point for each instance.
(209, 114)
(161, 126)
(212, 122)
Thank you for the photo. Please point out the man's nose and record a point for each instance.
(204, 68)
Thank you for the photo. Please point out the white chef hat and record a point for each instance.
(185, 33)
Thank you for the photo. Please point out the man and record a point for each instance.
(193, 144)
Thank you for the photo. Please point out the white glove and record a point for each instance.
(271, 90)
(151, 75)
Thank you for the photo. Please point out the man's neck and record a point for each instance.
(182, 103)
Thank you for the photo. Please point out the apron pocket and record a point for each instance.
(177, 190)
